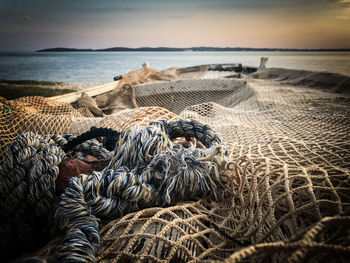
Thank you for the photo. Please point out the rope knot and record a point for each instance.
(146, 168)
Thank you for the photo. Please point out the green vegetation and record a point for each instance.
(30, 82)
(12, 89)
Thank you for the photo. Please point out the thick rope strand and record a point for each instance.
(27, 188)
(146, 170)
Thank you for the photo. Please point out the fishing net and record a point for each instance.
(289, 152)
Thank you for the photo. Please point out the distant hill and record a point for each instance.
(63, 49)
(121, 49)
(141, 49)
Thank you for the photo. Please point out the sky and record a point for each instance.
(36, 24)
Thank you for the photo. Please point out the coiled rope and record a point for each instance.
(146, 169)
(27, 188)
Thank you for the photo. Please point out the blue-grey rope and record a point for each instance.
(27, 187)
(146, 169)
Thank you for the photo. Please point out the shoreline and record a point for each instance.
(12, 89)
(331, 82)
(103, 66)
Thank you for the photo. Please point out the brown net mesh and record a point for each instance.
(290, 157)
(37, 114)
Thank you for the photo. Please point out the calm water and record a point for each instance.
(103, 66)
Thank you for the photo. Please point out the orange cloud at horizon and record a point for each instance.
(252, 30)
(225, 23)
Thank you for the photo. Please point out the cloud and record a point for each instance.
(180, 17)
(27, 18)
(183, 17)
(343, 14)
(342, 17)
(344, 3)
(13, 19)
(109, 9)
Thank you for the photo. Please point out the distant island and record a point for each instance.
(167, 49)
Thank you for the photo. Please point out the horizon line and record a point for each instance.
(194, 48)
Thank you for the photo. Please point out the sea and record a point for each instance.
(101, 67)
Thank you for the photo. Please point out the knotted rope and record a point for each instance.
(27, 187)
(146, 169)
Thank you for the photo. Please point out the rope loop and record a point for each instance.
(27, 188)
(146, 168)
